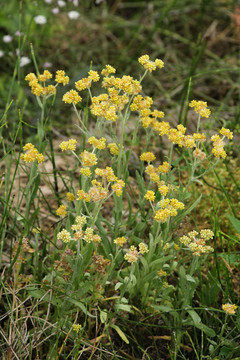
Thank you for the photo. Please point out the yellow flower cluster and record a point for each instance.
(143, 105)
(114, 149)
(118, 187)
(99, 144)
(72, 97)
(79, 233)
(168, 208)
(70, 196)
(97, 193)
(199, 154)
(90, 237)
(31, 154)
(108, 70)
(77, 327)
(229, 308)
(133, 254)
(126, 84)
(150, 65)
(162, 273)
(150, 195)
(108, 174)
(226, 133)
(218, 143)
(120, 241)
(107, 105)
(88, 159)
(155, 172)
(82, 195)
(148, 156)
(143, 249)
(38, 89)
(200, 107)
(61, 211)
(86, 83)
(64, 235)
(68, 145)
(86, 171)
(61, 77)
(80, 221)
(163, 189)
(197, 242)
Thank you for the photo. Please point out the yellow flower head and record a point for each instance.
(72, 97)
(68, 145)
(30, 77)
(143, 249)
(150, 195)
(31, 154)
(45, 76)
(64, 235)
(70, 196)
(99, 144)
(132, 255)
(61, 78)
(229, 308)
(162, 215)
(108, 70)
(82, 195)
(114, 149)
(118, 187)
(36, 89)
(226, 132)
(77, 327)
(200, 107)
(88, 237)
(86, 171)
(93, 75)
(88, 159)
(148, 156)
(162, 273)
(61, 211)
(150, 65)
(84, 83)
(81, 220)
(163, 189)
(120, 241)
(157, 114)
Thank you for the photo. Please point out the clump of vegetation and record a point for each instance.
(109, 248)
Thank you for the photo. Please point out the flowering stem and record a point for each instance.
(143, 76)
(80, 120)
(119, 170)
(198, 123)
